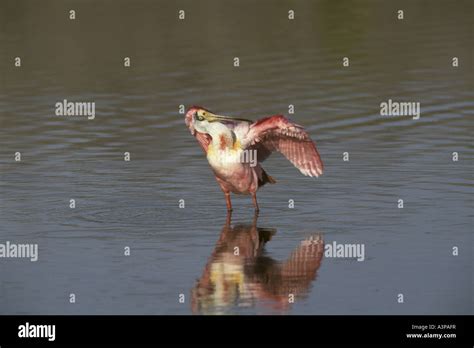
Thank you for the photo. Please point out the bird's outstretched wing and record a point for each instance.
(277, 133)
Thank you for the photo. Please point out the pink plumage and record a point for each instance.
(219, 135)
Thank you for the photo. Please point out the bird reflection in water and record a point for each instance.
(240, 275)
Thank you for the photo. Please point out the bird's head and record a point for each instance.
(200, 119)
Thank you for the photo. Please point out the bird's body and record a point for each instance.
(226, 156)
(236, 147)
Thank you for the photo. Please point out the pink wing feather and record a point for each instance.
(277, 133)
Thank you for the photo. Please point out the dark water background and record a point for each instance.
(189, 62)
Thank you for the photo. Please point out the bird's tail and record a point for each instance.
(266, 179)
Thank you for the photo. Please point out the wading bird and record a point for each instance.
(235, 147)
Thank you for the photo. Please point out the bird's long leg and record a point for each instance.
(227, 201)
(254, 200)
(255, 219)
(228, 219)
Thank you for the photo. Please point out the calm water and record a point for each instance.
(191, 251)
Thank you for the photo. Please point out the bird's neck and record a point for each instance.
(222, 137)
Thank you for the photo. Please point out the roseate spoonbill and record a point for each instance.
(235, 147)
